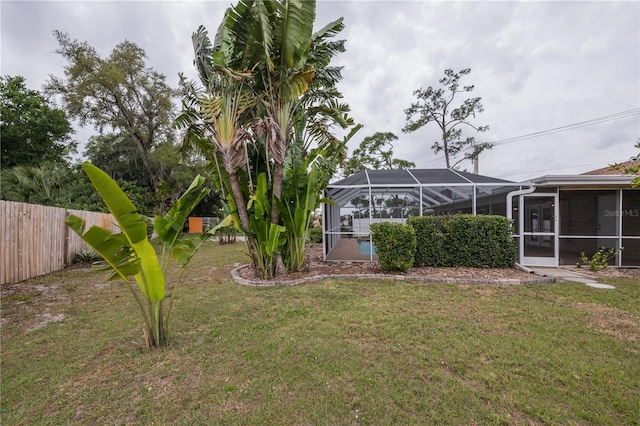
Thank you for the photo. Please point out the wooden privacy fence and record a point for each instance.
(35, 240)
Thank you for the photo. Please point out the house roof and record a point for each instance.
(582, 181)
(613, 171)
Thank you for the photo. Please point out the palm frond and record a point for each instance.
(293, 32)
(264, 12)
(203, 53)
(329, 30)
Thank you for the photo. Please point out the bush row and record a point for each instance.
(463, 240)
(460, 240)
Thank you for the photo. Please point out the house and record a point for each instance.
(565, 215)
(556, 217)
(633, 162)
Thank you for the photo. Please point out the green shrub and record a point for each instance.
(315, 235)
(224, 234)
(429, 240)
(600, 259)
(395, 244)
(464, 240)
(86, 257)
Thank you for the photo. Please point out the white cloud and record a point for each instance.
(536, 65)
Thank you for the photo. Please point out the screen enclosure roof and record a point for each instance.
(437, 186)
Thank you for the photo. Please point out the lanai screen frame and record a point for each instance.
(557, 185)
(426, 186)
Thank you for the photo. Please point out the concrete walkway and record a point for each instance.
(561, 274)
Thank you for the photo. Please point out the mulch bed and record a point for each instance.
(609, 272)
(315, 268)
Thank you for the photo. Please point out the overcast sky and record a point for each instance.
(536, 65)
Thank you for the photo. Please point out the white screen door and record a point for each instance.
(538, 229)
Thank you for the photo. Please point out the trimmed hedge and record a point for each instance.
(315, 235)
(463, 240)
(429, 241)
(395, 244)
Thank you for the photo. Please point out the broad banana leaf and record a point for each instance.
(265, 12)
(313, 190)
(227, 221)
(150, 278)
(298, 84)
(260, 200)
(117, 255)
(292, 36)
(273, 239)
(169, 227)
(329, 30)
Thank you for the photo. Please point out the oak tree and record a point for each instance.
(118, 92)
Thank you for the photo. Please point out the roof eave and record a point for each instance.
(558, 180)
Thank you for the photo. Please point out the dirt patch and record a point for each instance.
(45, 318)
(33, 305)
(615, 323)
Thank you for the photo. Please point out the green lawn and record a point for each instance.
(335, 352)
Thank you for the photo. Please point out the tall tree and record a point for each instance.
(118, 92)
(440, 106)
(117, 155)
(32, 131)
(259, 112)
(375, 152)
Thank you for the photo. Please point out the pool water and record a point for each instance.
(365, 248)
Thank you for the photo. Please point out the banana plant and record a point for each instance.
(306, 177)
(269, 236)
(302, 197)
(131, 254)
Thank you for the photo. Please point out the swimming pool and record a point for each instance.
(365, 247)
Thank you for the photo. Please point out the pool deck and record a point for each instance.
(347, 249)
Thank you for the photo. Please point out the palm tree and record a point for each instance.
(267, 81)
(282, 74)
(215, 118)
(47, 184)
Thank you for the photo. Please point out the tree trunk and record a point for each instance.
(445, 145)
(241, 207)
(278, 265)
(278, 175)
(238, 197)
(152, 172)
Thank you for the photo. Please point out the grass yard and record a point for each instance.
(336, 352)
